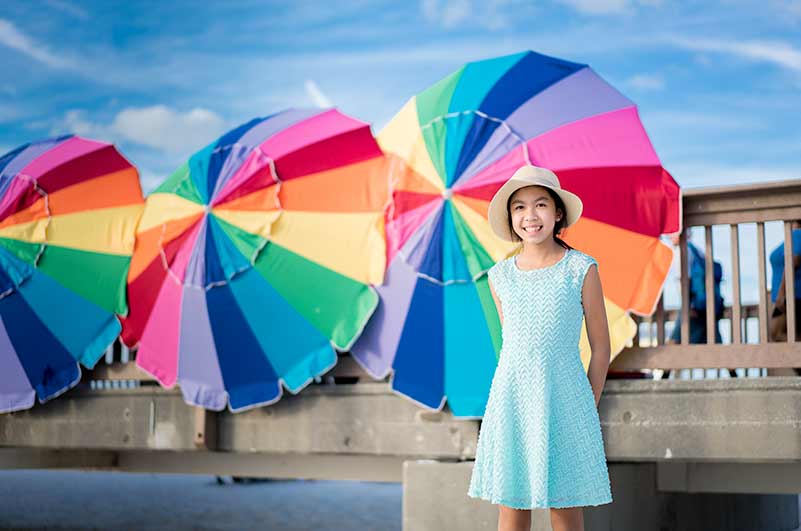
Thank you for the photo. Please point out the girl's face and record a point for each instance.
(534, 214)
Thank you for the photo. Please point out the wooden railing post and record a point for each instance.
(789, 281)
(763, 290)
(735, 284)
(660, 320)
(709, 286)
(685, 289)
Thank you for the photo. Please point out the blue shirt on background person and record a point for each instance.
(696, 266)
(777, 266)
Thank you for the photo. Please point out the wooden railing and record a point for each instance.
(732, 206)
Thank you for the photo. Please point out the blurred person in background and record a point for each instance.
(696, 267)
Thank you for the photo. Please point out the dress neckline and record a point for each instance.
(514, 264)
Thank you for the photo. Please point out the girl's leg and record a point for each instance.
(510, 519)
(567, 519)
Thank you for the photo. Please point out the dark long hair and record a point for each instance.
(558, 226)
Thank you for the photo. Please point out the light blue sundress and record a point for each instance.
(540, 442)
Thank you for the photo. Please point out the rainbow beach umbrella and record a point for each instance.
(436, 328)
(254, 260)
(68, 211)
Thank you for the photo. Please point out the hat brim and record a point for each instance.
(498, 215)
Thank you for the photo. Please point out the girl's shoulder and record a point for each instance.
(498, 269)
(580, 262)
(581, 256)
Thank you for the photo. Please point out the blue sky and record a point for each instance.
(718, 84)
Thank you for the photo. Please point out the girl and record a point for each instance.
(540, 442)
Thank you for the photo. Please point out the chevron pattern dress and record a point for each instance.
(540, 442)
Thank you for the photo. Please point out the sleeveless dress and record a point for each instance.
(540, 442)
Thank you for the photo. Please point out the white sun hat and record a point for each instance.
(528, 175)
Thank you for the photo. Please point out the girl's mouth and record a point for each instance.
(533, 229)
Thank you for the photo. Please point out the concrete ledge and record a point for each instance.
(734, 420)
(361, 419)
(742, 420)
(342, 419)
(640, 386)
(147, 417)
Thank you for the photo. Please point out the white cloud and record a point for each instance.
(76, 121)
(69, 8)
(689, 120)
(449, 13)
(496, 17)
(789, 9)
(702, 174)
(777, 52)
(430, 9)
(608, 7)
(646, 82)
(703, 59)
(164, 128)
(149, 179)
(8, 113)
(316, 95)
(15, 39)
(159, 127)
(453, 13)
(598, 7)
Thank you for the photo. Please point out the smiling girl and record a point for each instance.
(540, 443)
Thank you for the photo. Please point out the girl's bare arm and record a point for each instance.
(597, 330)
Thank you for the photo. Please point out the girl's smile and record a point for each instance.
(532, 228)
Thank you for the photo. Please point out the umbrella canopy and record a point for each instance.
(457, 143)
(254, 260)
(68, 212)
